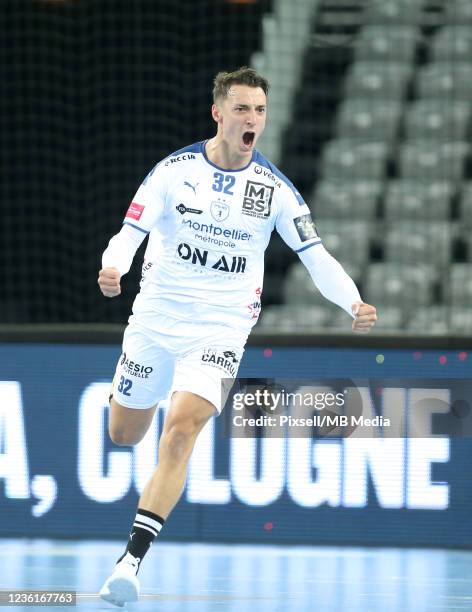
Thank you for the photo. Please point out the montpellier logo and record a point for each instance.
(219, 211)
(257, 200)
(182, 209)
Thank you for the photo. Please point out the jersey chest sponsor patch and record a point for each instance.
(257, 200)
(212, 260)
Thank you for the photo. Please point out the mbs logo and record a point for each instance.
(257, 200)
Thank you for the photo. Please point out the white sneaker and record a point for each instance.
(123, 585)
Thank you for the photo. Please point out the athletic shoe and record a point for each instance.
(122, 586)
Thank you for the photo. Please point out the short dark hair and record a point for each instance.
(242, 76)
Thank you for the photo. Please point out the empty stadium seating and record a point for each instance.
(392, 192)
(420, 160)
(419, 243)
(418, 200)
(400, 285)
(378, 80)
(357, 200)
(445, 80)
(347, 159)
(453, 43)
(437, 119)
(458, 12)
(387, 43)
(368, 121)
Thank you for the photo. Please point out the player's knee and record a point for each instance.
(177, 442)
(123, 437)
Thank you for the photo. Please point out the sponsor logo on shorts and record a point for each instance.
(223, 360)
(257, 200)
(135, 211)
(209, 259)
(135, 369)
(182, 209)
(305, 227)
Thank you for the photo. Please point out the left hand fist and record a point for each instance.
(365, 317)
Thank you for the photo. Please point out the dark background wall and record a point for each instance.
(94, 93)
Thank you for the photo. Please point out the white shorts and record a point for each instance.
(182, 356)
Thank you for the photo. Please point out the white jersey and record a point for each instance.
(208, 230)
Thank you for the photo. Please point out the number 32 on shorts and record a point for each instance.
(124, 386)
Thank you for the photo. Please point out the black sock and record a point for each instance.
(145, 528)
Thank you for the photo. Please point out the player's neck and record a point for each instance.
(220, 154)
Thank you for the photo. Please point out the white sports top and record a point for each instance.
(208, 230)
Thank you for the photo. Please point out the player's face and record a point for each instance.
(241, 118)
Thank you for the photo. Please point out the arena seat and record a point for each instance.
(401, 285)
(394, 12)
(438, 119)
(292, 318)
(458, 285)
(445, 161)
(458, 11)
(345, 159)
(418, 200)
(420, 243)
(466, 205)
(380, 80)
(346, 200)
(445, 80)
(429, 319)
(453, 42)
(387, 43)
(368, 121)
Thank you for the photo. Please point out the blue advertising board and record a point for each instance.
(61, 476)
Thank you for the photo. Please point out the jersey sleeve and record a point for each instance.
(122, 248)
(149, 201)
(294, 222)
(330, 277)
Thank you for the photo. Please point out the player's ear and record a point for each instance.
(215, 113)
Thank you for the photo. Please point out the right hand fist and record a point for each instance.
(109, 282)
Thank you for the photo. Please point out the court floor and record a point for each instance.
(243, 578)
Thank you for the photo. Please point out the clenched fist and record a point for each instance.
(365, 317)
(109, 282)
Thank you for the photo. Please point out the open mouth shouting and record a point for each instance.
(248, 139)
